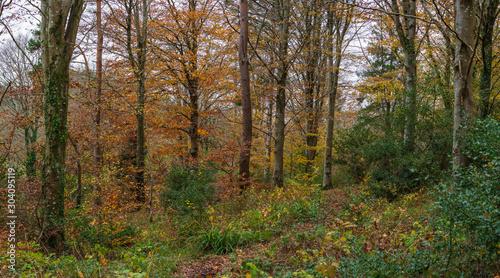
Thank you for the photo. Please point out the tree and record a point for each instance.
(246, 100)
(465, 23)
(336, 25)
(191, 48)
(488, 16)
(406, 30)
(97, 151)
(312, 79)
(134, 23)
(282, 9)
(59, 26)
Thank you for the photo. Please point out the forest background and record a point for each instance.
(283, 138)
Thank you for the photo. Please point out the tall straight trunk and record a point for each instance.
(311, 101)
(283, 7)
(464, 103)
(193, 83)
(139, 189)
(97, 109)
(246, 101)
(269, 137)
(137, 59)
(406, 35)
(193, 125)
(59, 27)
(332, 84)
(490, 13)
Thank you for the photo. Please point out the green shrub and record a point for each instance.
(188, 190)
(363, 151)
(220, 241)
(470, 200)
(108, 233)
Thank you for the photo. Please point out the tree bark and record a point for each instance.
(97, 108)
(269, 137)
(30, 138)
(245, 98)
(59, 27)
(406, 36)
(490, 14)
(138, 64)
(464, 104)
(313, 23)
(332, 83)
(283, 7)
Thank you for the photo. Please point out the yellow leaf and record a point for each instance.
(80, 274)
(248, 275)
(343, 239)
(331, 272)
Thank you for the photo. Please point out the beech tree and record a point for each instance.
(338, 23)
(465, 23)
(134, 23)
(246, 101)
(488, 15)
(404, 17)
(58, 30)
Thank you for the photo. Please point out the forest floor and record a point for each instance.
(292, 232)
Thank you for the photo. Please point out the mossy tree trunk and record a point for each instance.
(59, 26)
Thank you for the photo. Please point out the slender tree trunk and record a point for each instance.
(464, 104)
(97, 109)
(284, 11)
(137, 60)
(79, 189)
(332, 83)
(193, 83)
(59, 27)
(312, 102)
(490, 13)
(141, 142)
(193, 127)
(406, 36)
(30, 138)
(245, 98)
(269, 137)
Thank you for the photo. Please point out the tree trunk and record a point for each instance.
(97, 109)
(283, 7)
(406, 36)
(138, 64)
(269, 137)
(332, 83)
(245, 98)
(311, 76)
(490, 13)
(139, 189)
(464, 104)
(193, 126)
(30, 138)
(58, 34)
(193, 83)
